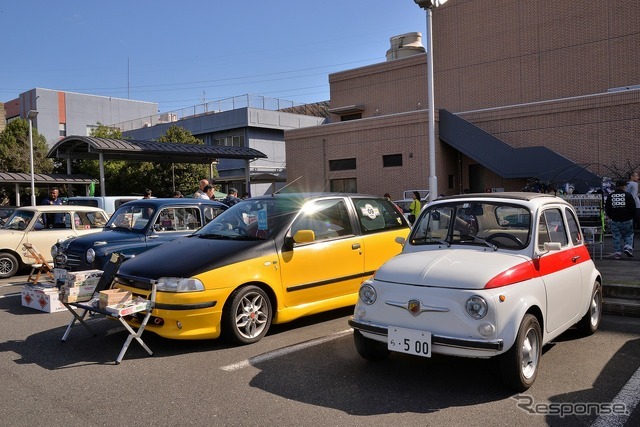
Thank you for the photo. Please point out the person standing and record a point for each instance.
(621, 209)
(200, 191)
(147, 194)
(209, 192)
(415, 207)
(53, 197)
(632, 188)
(232, 197)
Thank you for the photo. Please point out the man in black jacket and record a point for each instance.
(620, 208)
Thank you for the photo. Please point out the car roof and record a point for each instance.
(172, 201)
(56, 208)
(316, 195)
(534, 198)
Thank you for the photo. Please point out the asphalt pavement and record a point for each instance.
(620, 278)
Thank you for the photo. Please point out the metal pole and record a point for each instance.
(433, 179)
(33, 185)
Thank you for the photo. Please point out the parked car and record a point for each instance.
(109, 203)
(266, 259)
(134, 228)
(483, 275)
(43, 226)
(5, 212)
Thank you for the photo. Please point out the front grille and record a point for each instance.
(74, 262)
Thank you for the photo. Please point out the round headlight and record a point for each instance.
(54, 251)
(367, 294)
(90, 255)
(476, 307)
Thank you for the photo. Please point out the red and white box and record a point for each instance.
(42, 297)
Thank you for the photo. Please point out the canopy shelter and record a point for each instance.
(39, 179)
(101, 149)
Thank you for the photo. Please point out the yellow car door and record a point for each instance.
(325, 259)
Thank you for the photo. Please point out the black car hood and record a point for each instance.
(116, 235)
(192, 255)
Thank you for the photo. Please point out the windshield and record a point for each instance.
(18, 220)
(132, 217)
(256, 219)
(497, 225)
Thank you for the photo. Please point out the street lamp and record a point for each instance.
(427, 5)
(32, 115)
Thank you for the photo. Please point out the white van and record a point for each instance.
(108, 203)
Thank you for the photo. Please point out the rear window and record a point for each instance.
(87, 202)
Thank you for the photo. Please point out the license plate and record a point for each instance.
(410, 341)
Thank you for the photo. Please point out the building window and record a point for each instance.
(348, 117)
(346, 185)
(391, 160)
(342, 164)
(63, 129)
(229, 141)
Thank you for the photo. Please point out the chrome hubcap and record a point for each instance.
(530, 353)
(251, 315)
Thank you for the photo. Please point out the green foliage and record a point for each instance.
(14, 149)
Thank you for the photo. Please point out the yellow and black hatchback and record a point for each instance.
(267, 259)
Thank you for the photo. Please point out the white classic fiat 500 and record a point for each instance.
(483, 275)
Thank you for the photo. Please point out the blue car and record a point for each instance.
(135, 227)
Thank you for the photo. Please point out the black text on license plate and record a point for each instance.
(410, 341)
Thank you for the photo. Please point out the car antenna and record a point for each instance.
(277, 191)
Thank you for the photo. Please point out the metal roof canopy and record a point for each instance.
(101, 149)
(17, 178)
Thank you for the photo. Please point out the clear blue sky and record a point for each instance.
(180, 53)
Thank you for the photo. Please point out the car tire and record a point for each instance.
(8, 265)
(519, 365)
(247, 315)
(369, 349)
(590, 322)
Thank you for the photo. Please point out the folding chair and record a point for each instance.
(41, 266)
(109, 272)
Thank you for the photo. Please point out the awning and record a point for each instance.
(509, 162)
(90, 148)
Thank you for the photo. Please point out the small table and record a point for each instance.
(114, 313)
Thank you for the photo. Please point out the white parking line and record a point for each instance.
(629, 396)
(10, 295)
(284, 351)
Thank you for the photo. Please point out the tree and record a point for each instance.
(14, 149)
(184, 177)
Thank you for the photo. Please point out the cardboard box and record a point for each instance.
(42, 297)
(85, 277)
(128, 307)
(113, 297)
(59, 276)
(83, 290)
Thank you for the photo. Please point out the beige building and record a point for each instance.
(543, 90)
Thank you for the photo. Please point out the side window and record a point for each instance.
(57, 220)
(187, 219)
(328, 219)
(166, 220)
(574, 229)
(211, 212)
(376, 215)
(551, 228)
(87, 220)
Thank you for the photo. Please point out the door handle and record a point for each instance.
(355, 246)
(575, 258)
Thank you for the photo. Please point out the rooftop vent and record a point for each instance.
(405, 45)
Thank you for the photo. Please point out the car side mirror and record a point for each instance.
(550, 246)
(304, 236)
(401, 240)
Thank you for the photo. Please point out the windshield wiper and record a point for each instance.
(480, 239)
